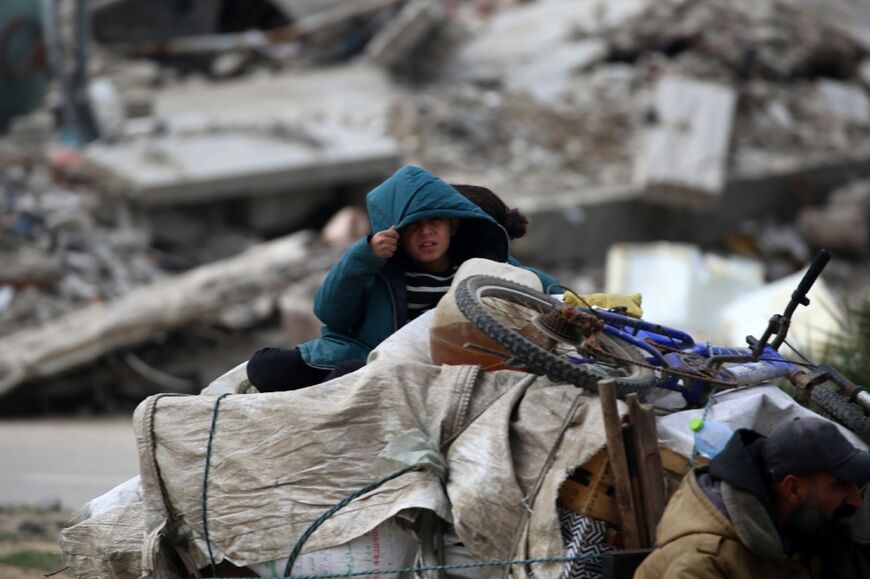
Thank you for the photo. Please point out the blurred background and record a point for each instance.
(176, 177)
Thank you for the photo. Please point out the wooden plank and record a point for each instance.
(636, 489)
(685, 146)
(595, 474)
(619, 464)
(677, 463)
(598, 462)
(649, 462)
(588, 502)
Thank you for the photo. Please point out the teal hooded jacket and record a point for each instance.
(363, 298)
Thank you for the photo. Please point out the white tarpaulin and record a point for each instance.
(279, 460)
(761, 408)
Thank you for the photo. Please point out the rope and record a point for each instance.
(529, 501)
(211, 432)
(448, 567)
(151, 454)
(695, 451)
(297, 549)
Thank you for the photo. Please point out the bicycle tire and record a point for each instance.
(470, 294)
(843, 411)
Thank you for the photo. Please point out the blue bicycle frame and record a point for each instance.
(664, 346)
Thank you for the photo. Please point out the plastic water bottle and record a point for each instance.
(710, 436)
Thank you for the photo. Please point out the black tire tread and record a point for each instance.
(843, 411)
(538, 359)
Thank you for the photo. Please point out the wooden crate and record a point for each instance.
(589, 491)
(676, 466)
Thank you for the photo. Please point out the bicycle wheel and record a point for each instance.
(506, 312)
(843, 411)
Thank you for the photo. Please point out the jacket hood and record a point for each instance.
(740, 465)
(413, 193)
(691, 516)
(689, 512)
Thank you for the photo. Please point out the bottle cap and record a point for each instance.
(696, 424)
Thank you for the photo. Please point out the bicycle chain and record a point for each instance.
(732, 383)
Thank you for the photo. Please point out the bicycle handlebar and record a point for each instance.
(811, 275)
(779, 324)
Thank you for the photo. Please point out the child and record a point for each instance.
(513, 222)
(423, 229)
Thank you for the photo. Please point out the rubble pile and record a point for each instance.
(566, 108)
(66, 246)
(604, 120)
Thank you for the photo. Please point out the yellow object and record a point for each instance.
(631, 302)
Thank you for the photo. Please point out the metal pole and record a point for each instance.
(57, 64)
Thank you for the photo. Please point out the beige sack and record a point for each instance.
(451, 332)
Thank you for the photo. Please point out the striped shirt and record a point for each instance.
(426, 288)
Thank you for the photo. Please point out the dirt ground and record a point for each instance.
(29, 541)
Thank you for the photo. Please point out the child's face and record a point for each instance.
(426, 242)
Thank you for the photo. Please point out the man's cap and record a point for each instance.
(809, 445)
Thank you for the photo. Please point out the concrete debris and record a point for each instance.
(843, 223)
(31, 133)
(851, 18)
(169, 170)
(835, 227)
(298, 9)
(864, 72)
(108, 107)
(845, 103)
(685, 147)
(414, 23)
(549, 79)
(530, 33)
(346, 226)
(296, 307)
(328, 14)
(91, 332)
(606, 121)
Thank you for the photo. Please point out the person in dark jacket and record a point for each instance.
(423, 229)
(511, 219)
(766, 507)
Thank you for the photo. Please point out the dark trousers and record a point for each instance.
(278, 369)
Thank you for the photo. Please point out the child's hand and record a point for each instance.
(384, 243)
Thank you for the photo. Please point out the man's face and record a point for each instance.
(824, 505)
(837, 499)
(426, 242)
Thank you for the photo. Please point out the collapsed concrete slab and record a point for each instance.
(835, 227)
(685, 147)
(404, 33)
(528, 35)
(265, 135)
(575, 228)
(848, 17)
(548, 79)
(88, 333)
(845, 102)
(173, 169)
(355, 95)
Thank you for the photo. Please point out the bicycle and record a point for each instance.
(582, 345)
